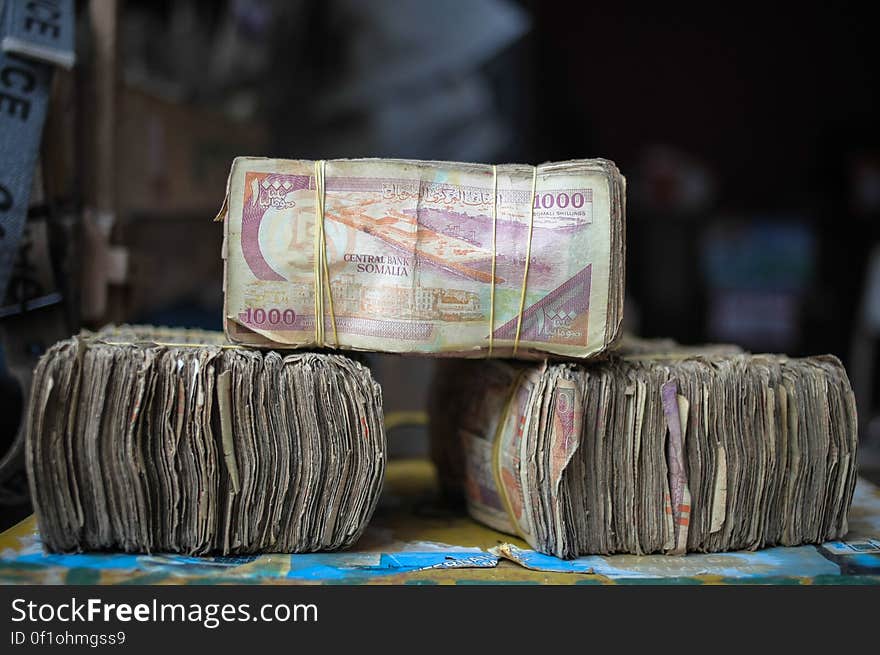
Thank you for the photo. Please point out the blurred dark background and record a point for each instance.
(749, 139)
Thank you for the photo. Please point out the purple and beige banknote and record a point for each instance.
(425, 257)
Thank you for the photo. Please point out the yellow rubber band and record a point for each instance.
(496, 456)
(492, 288)
(322, 273)
(522, 296)
(319, 228)
(395, 420)
(325, 266)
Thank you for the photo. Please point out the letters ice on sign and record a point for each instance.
(41, 30)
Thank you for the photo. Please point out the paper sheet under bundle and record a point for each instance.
(659, 453)
(427, 257)
(200, 448)
(152, 334)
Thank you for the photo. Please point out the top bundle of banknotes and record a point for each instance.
(443, 258)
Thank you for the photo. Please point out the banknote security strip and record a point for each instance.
(427, 257)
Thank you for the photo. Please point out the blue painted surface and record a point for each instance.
(803, 561)
(313, 567)
(80, 560)
(833, 560)
(339, 566)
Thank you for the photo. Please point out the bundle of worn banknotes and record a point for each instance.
(171, 441)
(552, 425)
(425, 257)
(675, 450)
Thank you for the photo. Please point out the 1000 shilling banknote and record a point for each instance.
(409, 256)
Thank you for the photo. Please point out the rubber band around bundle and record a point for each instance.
(494, 251)
(522, 296)
(322, 271)
(496, 458)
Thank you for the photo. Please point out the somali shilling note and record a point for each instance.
(409, 248)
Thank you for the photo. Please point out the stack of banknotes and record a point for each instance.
(425, 257)
(148, 440)
(551, 424)
(453, 391)
(669, 451)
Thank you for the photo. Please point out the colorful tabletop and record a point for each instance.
(412, 540)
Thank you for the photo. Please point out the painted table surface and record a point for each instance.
(412, 541)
